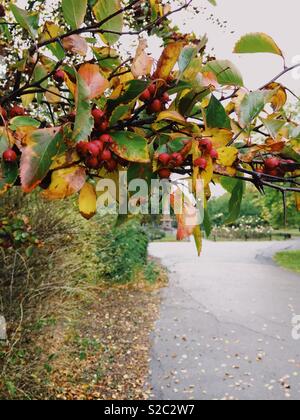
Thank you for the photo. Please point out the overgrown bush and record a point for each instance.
(71, 257)
(124, 252)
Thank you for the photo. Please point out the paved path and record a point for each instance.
(225, 330)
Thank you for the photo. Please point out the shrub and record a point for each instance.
(124, 251)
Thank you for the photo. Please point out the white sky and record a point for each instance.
(278, 19)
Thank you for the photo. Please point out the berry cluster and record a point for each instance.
(15, 111)
(169, 161)
(156, 101)
(276, 167)
(207, 149)
(97, 153)
(101, 120)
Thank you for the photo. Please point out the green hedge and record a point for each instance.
(123, 252)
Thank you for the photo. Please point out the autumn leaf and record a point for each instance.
(171, 116)
(168, 60)
(75, 44)
(142, 63)
(37, 156)
(227, 156)
(95, 83)
(88, 201)
(65, 182)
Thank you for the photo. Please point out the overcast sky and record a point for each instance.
(278, 19)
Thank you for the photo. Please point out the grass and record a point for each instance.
(289, 260)
(75, 329)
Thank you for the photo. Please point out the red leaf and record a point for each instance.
(96, 84)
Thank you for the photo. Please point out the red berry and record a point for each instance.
(111, 165)
(2, 10)
(272, 163)
(103, 126)
(177, 159)
(92, 162)
(164, 159)
(201, 163)
(165, 98)
(214, 154)
(10, 156)
(260, 170)
(206, 144)
(93, 149)
(106, 155)
(59, 76)
(72, 116)
(98, 114)
(146, 96)
(273, 172)
(99, 144)
(164, 173)
(152, 89)
(17, 111)
(106, 138)
(155, 106)
(82, 148)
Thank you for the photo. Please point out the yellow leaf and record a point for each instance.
(219, 137)
(65, 182)
(207, 175)
(297, 196)
(27, 99)
(168, 60)
(227, 156)
(88, 201)
(53, 95)
(142, 63)
(50, 31)
(171, 116)
(198, 239)
(279, 98)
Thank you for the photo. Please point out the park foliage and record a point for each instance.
(77, 106)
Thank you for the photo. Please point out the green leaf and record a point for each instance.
(8, 175)
(37, 157)
(207, 223)
(102, 10)
(118, 114)
(226, 72)
(216, 116)
(28, 21)
(273, 126)
(107, 58)
(131, 146)
(186, 56)
(251, 106)
(236, 187)
(289, 153)
(133, 91)
(74, 12)
(23, 122)
(4, 141)
(84, 121)
(257, 43)
(198, 239)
